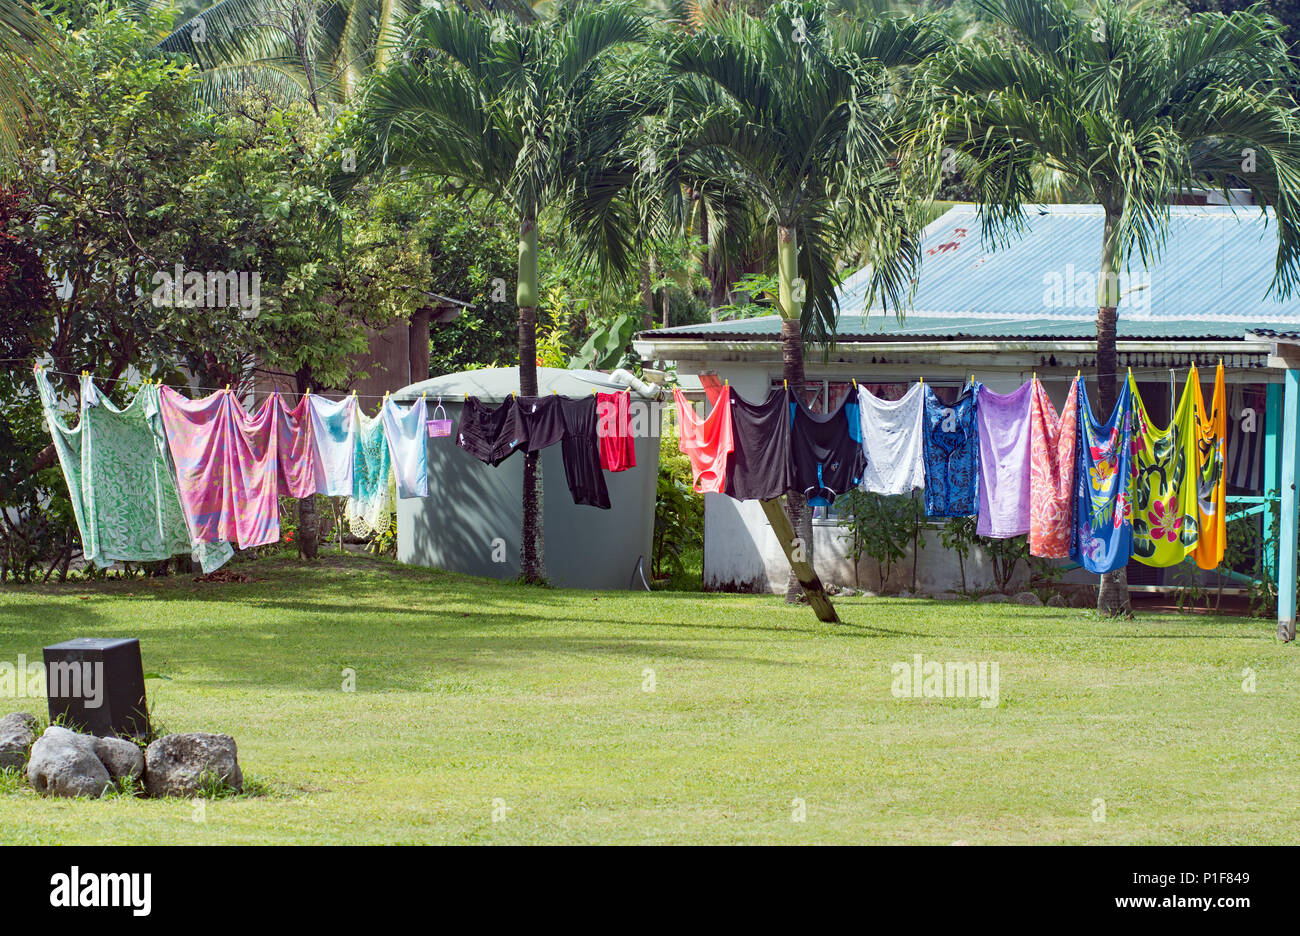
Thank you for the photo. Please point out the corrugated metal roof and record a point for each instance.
(1210, 280)
(921, 327)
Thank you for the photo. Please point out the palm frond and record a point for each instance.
(26, 47)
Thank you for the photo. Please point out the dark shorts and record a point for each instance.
(491, 434)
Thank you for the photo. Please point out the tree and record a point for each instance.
(1132, 113)
(319, 51)
(131, 180)
(25, 46)
(795, 115)
(262, 205)
(535, 115)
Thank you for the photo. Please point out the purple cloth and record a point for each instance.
(1004, 430)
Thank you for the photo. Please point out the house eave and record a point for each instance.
(694, 349)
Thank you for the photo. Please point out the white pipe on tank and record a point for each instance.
(629, 379)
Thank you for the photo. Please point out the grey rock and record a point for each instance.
(905, 593)
(120, 757)
(175, 765)
(1083, 598)
(995, 598)
(17, 732)
(1057, 601)
(64, 763)
(1027, 598)
(945, 596)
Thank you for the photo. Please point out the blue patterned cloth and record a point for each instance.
(952, 456)
(1102, 537)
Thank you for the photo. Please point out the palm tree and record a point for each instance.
(1131, 112)
(25, 45)
(793, 111)
(317, 50)
(536, 115)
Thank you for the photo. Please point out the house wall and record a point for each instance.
(742, 554)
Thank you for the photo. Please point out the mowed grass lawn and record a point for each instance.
(472, 695)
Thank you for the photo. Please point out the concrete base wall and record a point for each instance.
(742, 554)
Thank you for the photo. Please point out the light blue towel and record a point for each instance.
(334, 440)
(408, 447)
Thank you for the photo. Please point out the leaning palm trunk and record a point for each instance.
(793, 528)
(796, 505)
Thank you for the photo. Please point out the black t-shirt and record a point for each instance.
(759, 467)
(826, 451)
(543, 421)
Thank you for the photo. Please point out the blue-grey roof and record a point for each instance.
(1211, 279)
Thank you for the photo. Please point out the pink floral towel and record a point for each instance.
(1053, 453)
(231, 467)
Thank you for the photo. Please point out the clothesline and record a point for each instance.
(188, 388)
(1138, 373)
(1099, 492)
(167, 474)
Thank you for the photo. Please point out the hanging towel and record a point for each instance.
(1005, 483)
(581, 452)
(893, 439)
(119, 479)
(1163, 493)
(1245, 453)
(491, 434)
(370, 508)
(1211, 486)
(613, 428)
(408, 446)
(759, 466)
(228, 467)
(826, 450)
(952, 455)
(334, 442)
(706, 442)
(231, 467)
(1102, 538)
(1054, 448)
(294, 470)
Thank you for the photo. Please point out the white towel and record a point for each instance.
(893, 439)
(407, 445)
(334, 439)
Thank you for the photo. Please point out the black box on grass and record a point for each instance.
(96, 684)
